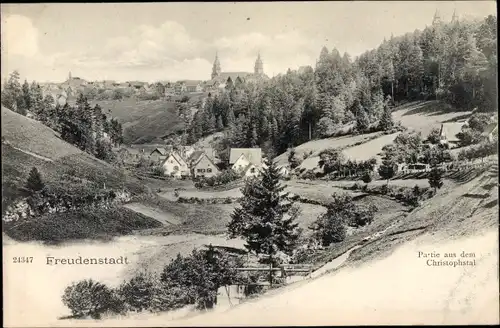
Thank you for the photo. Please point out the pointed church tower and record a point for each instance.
(216, 68)
(259, 66)
(454, 18)
(437, 18)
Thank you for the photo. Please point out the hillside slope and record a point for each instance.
(385, 284)
(419, 116)
(27, 143)
(146, 121)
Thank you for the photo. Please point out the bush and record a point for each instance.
(90, 298)
(199, 276)
(34, 182)
(137, 293)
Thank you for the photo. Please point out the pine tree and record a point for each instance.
(387, 168)
(220, 125)
(34, 182)
(435, 175)
(26, 96)
(386, 122)
(362, 122)
(265, 218)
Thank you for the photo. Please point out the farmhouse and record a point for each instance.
(490, 133)
(175, 166)
(449, 131)
(284, 170)
(202, 166)
(246, 160)
(159, 154)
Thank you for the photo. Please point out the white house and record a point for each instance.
(201, 165)
(284, 170)
(448, 133)
(241, 158)
(490, 133)
(175, 166)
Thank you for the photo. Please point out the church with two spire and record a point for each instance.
(219, 77)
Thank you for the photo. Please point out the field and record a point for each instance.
(34, 137)
(416, 116)
(316, 146)
(423, 116)
(27, 144)
(146, 121)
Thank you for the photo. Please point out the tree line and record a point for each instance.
(454, 62)
(82, 125)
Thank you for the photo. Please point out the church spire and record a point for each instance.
(259, 65)
(216, 70)
(437, 18)
(454, 18)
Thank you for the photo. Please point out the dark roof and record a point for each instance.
(164, 151)
(195, 156)
(490, 128)
(254, 155)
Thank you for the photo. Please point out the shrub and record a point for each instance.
(90, 298)
(137, 293)
(157, 171)
(367, 176)
(34, 182)
(309, 175)
(293, 159)
(198, 277)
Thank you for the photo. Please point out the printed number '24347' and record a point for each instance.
(22, 259)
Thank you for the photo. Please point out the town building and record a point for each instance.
(159, 154)
(201, 165)
(246, 161)
(448, 133)
(220, 78)
(175, 166)
(490, 133)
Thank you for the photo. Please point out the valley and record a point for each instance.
(233, 173)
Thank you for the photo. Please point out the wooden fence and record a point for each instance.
(286, 270)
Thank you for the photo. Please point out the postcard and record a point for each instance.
(249, 163)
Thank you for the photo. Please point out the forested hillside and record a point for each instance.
(82, 125)
(454, 62)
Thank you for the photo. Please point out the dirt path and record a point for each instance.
(33, 154)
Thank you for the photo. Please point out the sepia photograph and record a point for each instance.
(249, 164)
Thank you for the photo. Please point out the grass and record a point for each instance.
(32, 136)
(420, 116)
(369, 149)
(145, 121)
(316, 146)
(453, 213)
(423, 116)
(82, 224)
(24, 137)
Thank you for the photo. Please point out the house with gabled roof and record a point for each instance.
(202, 165)
(175, 166)
(449, 131)
(247, 161)
(490, 133)
(160, 153)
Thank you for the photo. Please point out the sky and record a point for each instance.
(172, 41)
